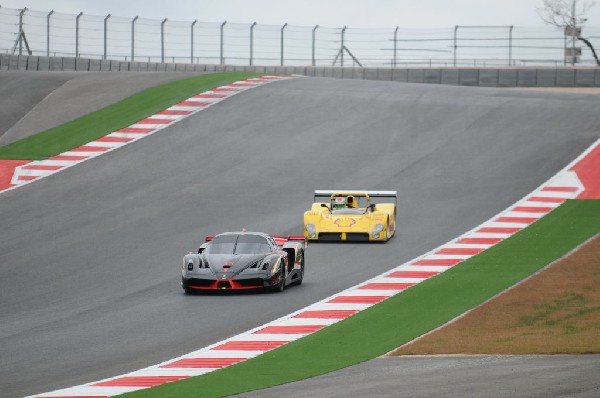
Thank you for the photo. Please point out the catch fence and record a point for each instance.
(55, 34)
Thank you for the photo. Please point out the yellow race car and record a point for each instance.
(351, 216)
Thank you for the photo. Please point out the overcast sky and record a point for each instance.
(327, 13)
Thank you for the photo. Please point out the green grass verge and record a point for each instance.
(405, 316)
(113, 117)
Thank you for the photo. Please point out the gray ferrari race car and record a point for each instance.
(244, 260)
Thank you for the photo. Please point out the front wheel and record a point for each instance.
(389, 230)
(280, 287)
(299, 282)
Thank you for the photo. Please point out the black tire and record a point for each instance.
(281, 285)
(387, 231)
(299, 282)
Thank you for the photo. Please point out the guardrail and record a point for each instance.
(482, 77)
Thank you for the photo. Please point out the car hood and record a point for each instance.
(231, 264)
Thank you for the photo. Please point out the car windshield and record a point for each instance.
(348, 211)
(339, 204)
(238, 244)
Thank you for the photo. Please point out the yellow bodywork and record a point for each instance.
(372, 223)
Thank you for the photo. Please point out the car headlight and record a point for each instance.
(186, 263)
(377, 228)
(312, 230)
(262, 265)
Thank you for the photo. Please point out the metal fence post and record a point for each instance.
(510, 31)
(314, 61)
(573, 33)
(133, 38)
(342, 47)
(21, 14)
(395, 46)
(162, 40)
(252, 42)
(222, 59)
(105, 35)
(282, 28)
(455, 43)
(77, 34)
(48, 32)
(192, 41)
(565, 50)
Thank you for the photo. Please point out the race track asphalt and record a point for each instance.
(90, 257)
(453, 377)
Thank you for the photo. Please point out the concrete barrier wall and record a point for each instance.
(484, 77)
(451, 77)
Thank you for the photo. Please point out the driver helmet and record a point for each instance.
(339, 202)
(351, 202)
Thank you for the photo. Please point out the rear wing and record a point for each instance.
(282, 240)
(372, 194)
(209, 238)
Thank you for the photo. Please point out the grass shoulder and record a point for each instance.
(113, 117)
(554, 312)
